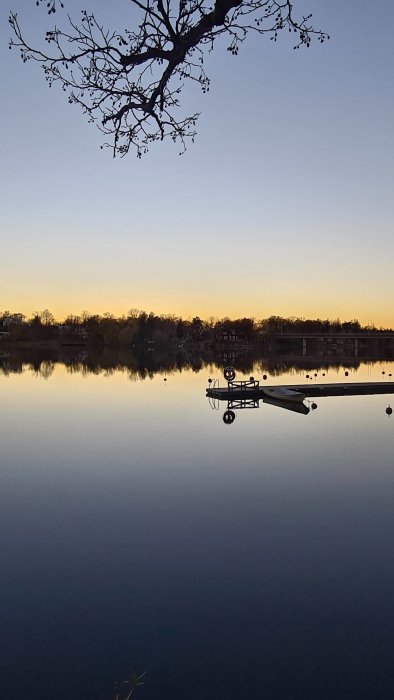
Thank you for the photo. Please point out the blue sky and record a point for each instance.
(283, 205)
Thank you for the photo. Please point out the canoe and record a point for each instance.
(281, 394)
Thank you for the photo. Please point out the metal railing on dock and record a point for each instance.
(243, 384)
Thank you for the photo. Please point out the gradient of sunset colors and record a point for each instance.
(284, 205)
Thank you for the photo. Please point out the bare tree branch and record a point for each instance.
(129, 83)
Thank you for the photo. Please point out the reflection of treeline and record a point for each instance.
(140, 365)
(141, 329)
(42, 361)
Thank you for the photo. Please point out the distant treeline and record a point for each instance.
(141, 329)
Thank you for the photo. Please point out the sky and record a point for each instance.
(284, 204)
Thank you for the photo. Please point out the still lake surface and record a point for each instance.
(137, 530)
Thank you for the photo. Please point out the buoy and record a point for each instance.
(165, 379)
(383, 372)
(264, 376)
(346, 374)
(209, 380)
(324, 374)
(313, 406)
(389, 410)
(307, 376)
(229, 374)
(315, 374)
(228, 417)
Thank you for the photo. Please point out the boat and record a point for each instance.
(280, 393)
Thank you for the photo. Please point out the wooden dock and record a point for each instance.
(249, 390)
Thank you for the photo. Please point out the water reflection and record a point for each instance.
(303, 408)
(246, 562)
(42, 362)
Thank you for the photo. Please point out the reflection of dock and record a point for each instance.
(297, 407)
(253, 390)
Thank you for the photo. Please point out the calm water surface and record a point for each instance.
(252, 560)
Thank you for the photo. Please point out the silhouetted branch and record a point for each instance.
(130, 83)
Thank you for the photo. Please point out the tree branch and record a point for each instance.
(125, 82)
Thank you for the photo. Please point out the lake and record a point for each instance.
(139, 531)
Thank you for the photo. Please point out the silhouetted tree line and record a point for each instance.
(139, 329)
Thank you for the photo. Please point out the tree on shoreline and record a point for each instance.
(141, 329)
(129, 82)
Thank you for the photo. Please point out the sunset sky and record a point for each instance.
(284, 205)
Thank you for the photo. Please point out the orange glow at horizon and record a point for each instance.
(204, 309)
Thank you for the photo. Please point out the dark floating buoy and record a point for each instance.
(165, 379)
(390, 374)
(229, 374)
(383, 372)
(389, 410)
(209, 380)
(346, 374)
(264, 376)
(315, 374)
(313, 406)
(307, 376)
(228, 417)
(324, 374)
